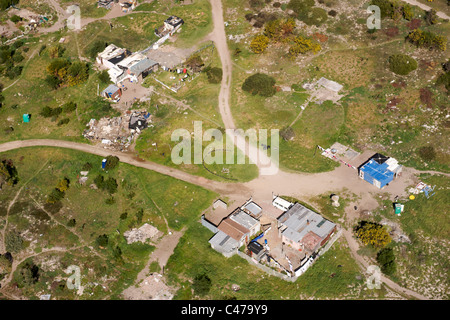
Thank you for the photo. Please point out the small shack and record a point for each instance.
(112, 92)
(380, 170)
(26, 118)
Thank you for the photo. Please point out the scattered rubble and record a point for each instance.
(118, 133)
(142, 234)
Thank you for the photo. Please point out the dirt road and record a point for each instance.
(440, 14)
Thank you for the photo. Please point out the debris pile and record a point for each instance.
(118, 133)
(142, 234)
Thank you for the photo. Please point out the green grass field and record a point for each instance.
(164, 201)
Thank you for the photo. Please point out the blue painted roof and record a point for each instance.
(378, 171)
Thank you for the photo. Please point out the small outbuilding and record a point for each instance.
(112, 92)
(380, 170)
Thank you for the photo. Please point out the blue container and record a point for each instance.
(103, 163)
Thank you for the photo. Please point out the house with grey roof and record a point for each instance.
(303, 229)
(233, 231)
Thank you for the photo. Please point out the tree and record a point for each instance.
(402, 64)
(386, 259)
(260, 84)
(8, 173)
(259, 43)
(28, 275)
(374, 234)
(111, 162)
(201, 284)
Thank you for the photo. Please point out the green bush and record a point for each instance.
(386, 259)
(201, 285)
(95, 48)
(314, 16)
(103, 76)
(214, 74)
(402, 64)
(111, 162)
(427, 153)
(260, 84)
(69, 107)
(13, 242)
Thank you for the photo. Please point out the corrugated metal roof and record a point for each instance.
(222, 241)
(300, 220)
(110, 89)
(243, 219)
(142, 65)
(253, 208)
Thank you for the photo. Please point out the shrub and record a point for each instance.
(299, 6)
(386, 7)
(63, 122)
(15, 18)
(314, 16)
(56, 51)
(111, 162)
(103, 76)
(427, 39)
(8, 173)
(426, 97)
(408, 13)
(386, 259)
(303, 45)
(427, 153)
(260, 84)
(102, 240)
(214, 75)
(201, 285)
(69, 107)
(13, 242)
(259, 43)
(95, 48)
(402, 64)
(374, 234)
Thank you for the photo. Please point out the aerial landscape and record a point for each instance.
(224, 150)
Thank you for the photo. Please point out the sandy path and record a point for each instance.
(440, 14)
(364, 264)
